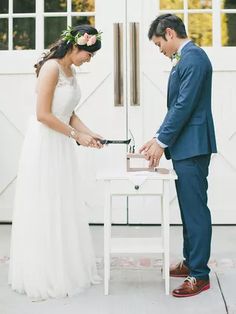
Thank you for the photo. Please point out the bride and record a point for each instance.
(51, 248)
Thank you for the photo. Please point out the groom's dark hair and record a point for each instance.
(164, 21)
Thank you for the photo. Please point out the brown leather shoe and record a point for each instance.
(179, 270)
(191, 287)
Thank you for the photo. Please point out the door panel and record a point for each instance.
(97, 109)
(17, 103)
(145, 120)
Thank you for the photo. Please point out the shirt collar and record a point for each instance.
(182, 46)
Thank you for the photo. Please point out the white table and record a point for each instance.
(126, 184)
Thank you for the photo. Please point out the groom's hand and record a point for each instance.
(146, 146)
(152, 152)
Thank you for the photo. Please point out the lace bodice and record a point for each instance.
(66, 95)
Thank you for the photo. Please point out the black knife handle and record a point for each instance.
(106, 142)
(114, 141)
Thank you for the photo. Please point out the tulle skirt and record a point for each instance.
(51, 247)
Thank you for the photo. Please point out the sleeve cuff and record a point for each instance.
(159, 142)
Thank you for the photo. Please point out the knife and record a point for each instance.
(106, 142)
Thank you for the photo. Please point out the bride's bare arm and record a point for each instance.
(76, 123)
(47, 81)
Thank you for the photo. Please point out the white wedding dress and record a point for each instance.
(51, 248)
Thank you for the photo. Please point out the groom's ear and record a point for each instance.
(170, 33)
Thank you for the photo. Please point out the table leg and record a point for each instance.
(162, 239)
(166, 236)
(107, 237)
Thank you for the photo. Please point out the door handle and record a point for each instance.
(118, 65)
(134, 65)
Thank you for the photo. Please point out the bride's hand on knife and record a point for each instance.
(85, 139)
(98, 137)
(88, 140)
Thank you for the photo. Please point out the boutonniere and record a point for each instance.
(175, 59)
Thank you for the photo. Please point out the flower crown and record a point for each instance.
(80, 39)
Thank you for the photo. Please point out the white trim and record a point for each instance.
(83, 13)
(216, 12)
(158, 6)
(228, 10)
(39, 16)
(186, 15)
(185, 10)
(14, 15)
(216, 24)
(55, 14)
(39, 26)
(69, 5)
(10, 26)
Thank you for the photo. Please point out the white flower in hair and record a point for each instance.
(79, 39)
(82, 40)
(92, 40)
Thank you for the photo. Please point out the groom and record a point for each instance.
(187, 137)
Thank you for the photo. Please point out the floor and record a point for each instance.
(136, 286)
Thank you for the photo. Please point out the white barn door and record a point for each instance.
(25, 31)
(211, 24)
(123, 88)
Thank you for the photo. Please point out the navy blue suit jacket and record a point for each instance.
(188, 127)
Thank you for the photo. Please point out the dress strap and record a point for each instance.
(64, 79)
(61, 71)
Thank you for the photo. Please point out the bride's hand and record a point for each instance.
(88, 140)
(98, 137)
(85, 139)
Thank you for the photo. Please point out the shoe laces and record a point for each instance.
(180, 264)
(192, 281)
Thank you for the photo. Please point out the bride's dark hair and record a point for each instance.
(59, 49)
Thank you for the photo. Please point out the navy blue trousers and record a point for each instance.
(191, 188)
